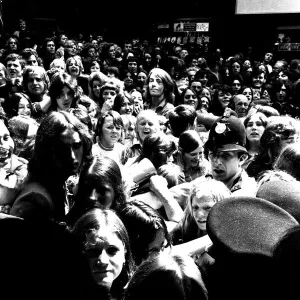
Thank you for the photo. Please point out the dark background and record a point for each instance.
(119, 20)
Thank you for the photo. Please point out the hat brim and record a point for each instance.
(232, 147)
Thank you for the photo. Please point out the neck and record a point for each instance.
(229, 182)
(254, 148)
(157, 100)
(106, 145)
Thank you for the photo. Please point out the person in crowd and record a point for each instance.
(279, 132)
(47, 52)
(159, 93)
(14, 65)
(248, 92)
(96, 81)
(107, 95)
(12, 46)
(62, 147)
(196, 86)
(105, 246)
(63, 93)
(31, 58)
(190, 156)
(182, 118)
(92, 66)
(100, 185)
(13, 169)
(241, 105)
(36, 85)
(221, 100)
(19, 104)
(255, 125)
(112, 72)
(129, 136)
(108, 132)
(204, 196)
(288, 160)
(260, 93)
(189, 97)
(61, 43)
(148, 234)
(88, 54)
(236, 84)
(138, 100)
(141, 79)
(124, 104)
(176, 275)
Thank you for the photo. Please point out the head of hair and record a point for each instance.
(157, 148)
(113, 70)
(289, 160)
(177, 276)
(89, 225)
(78, 62)
(189, 141)
(14, 57)
(216, 107)
(167, 83)
(182, 95)
(150, 115)
(181, 118)
(58, 81)
(142, 223)
(12, 106)
(29, 70)
(117, 121)
(172, 173)
(96, 76)
(48, 150)
(119, 100)
(27, 52)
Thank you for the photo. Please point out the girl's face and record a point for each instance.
(248, 93)
(96, 88)
(205, 92)
(224, 98)
(95, 67)
(236, 86)
(146, 126)
(129, 132)
(141, 78)
(137, 99)
(91, 52)
(109, 96)
(99, 191)
(247, 64)
(201, 206)
(204, 103)
(126, 107)
(59, 65)
(128, 81)
(106, 256)
(236, 68)
(254, 129)
(204, 80)
(65, 99)
(193, 158)
(190, 98)
(281, 94)
(36, 85)
(156, 86)
(73, 68)
(111, 133)
(112, 52)
(24, 108)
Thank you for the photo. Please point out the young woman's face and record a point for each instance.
(205, 92)
(13, 45)
(236, 86)
(201, 206)
(190, 98)
(236, 68)
(193, 158)
(112, 52)
(36, 85)
(141, 78)
(109, 96)
(137, 99)
(96, 88)
(111, 133)
(64, 101)
(129, 132)
(204, 80)
(204, 102)
(224, 98)
(156, 86)
(50, 47)
(248, 93)
(254, 129)
(146, 126)
(258, 80)
(281, 95)
(91, 52)
(24, 107)
(99, 191)
(126, 107)
(95, 68)
(106, 257)
(73, 68)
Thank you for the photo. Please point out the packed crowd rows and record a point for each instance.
(148, 172)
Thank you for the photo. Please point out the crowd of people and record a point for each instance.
(141, 171)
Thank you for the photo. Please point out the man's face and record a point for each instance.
(132, 66)
(50, 47)
(31, 61)
(196, 86)
(268, 57)
(225, 165)
(177, 50)
(14, 68)
(183, 54)
(278, 66)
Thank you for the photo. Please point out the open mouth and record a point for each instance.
(4, 155)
